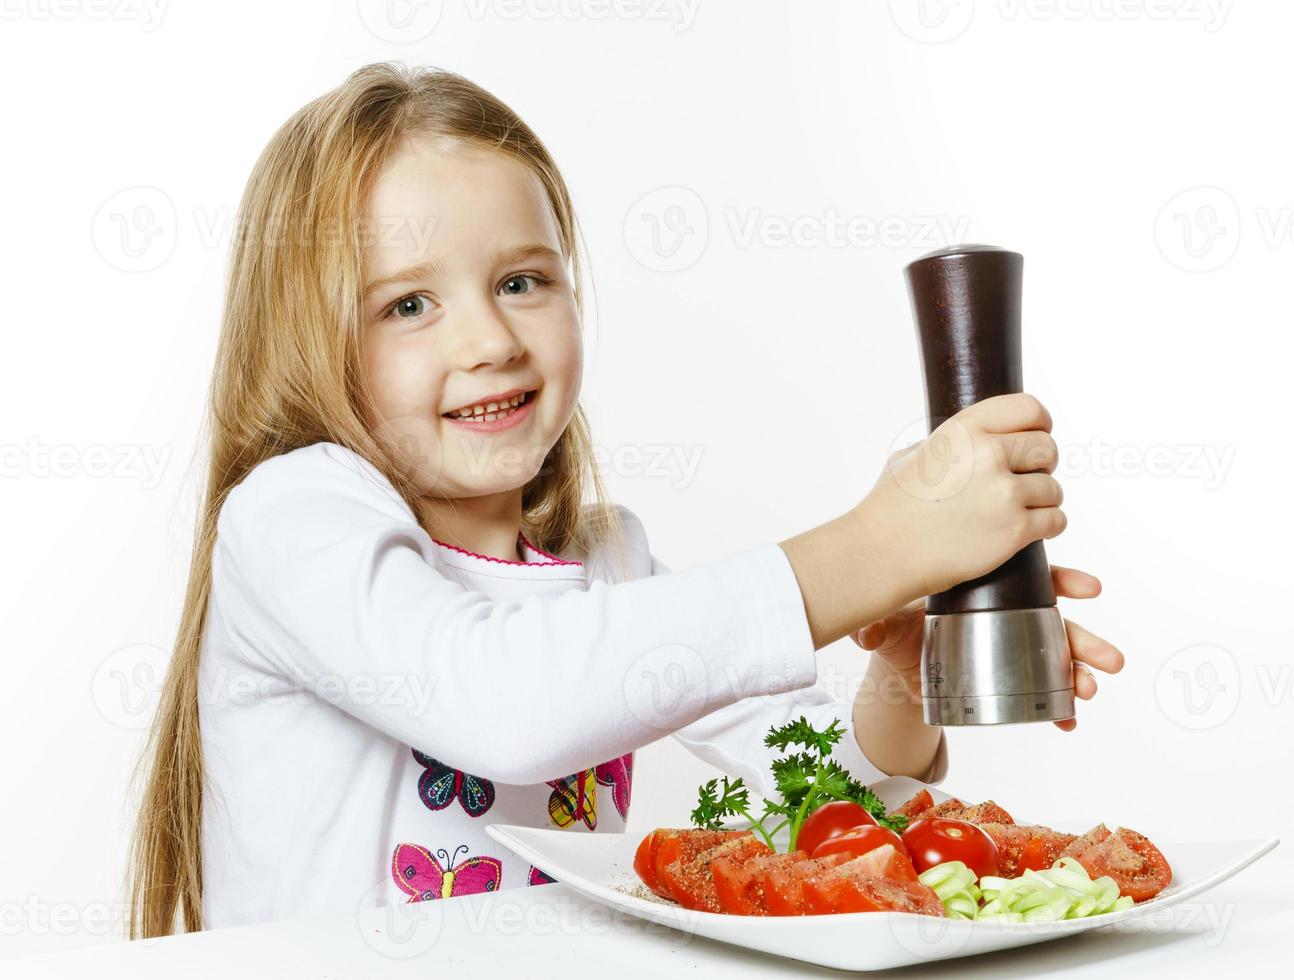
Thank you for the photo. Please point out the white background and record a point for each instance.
(1157, 323)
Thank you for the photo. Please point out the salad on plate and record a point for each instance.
(845, 853)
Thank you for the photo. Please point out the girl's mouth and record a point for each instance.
(494, 416)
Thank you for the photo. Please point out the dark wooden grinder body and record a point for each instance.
(966, 302)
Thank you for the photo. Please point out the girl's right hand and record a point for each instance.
(969, 496)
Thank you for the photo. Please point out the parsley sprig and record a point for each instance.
(805, 777)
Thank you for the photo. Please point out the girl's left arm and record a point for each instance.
(886, 735)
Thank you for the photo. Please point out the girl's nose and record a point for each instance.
(486, 337)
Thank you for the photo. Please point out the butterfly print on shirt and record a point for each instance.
(574, 798)
(440, 785)
(538, 877)
(425, 878)
(618, 774)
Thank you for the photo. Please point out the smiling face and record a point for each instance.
(467, 298)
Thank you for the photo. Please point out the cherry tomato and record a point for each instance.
(829, 820)
(1137, 866)
(934, 840)
(859, 841)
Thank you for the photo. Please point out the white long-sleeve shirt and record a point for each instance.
(370, 698)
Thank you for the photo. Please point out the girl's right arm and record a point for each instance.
(322, 576)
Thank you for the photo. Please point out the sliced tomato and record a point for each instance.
(919, 803)
(645, 859)
(847, 890)
(859, 841)
(1137, 866)
(950, 808)
(783, 886)
(1089, 840)
(987, 812)
(831, 819)
(691, 882)
(738, 884)
(1010, 842)
(933, 840)
(1044, 847)
(885, 861)
(978, 813)
(682, 847)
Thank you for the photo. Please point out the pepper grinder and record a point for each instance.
(994, 650)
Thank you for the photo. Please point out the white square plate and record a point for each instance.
(600, 866)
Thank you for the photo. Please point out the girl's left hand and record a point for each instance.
(897, 639)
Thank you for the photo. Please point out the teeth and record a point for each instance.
(489, 411)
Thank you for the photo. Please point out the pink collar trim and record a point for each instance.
(551, 559)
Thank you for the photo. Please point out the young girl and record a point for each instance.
(406, 619)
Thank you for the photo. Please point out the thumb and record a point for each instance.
(872, 636)
(893, 629)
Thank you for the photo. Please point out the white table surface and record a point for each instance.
(1244, 928)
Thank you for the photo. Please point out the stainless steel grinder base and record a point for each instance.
(996, 667)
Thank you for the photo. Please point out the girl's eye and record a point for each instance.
(521, 284)
(409, 307)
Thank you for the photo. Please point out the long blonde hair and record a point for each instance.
(288, 373)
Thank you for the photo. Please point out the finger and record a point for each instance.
(1009, 413)
(869, 637)
(1068, 725)
(874, 633)
(1073, 584)
(1088, 648)
(893, 629)
(1044, 522)
(1084, 683)
(1030, 452)
(1039, 490)
(902, 627)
